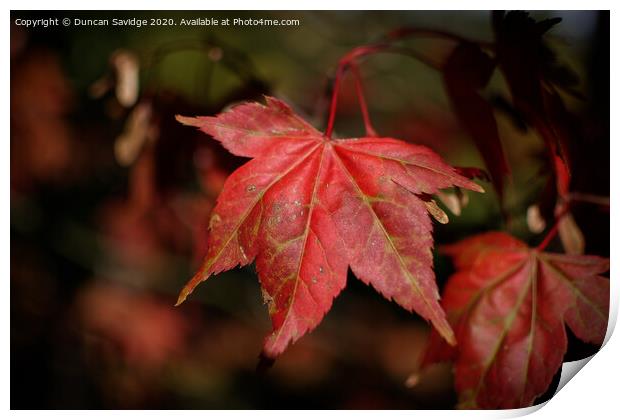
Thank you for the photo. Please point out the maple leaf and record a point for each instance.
(533, 76)
(508, 305)
(307, 207)
(467, 71)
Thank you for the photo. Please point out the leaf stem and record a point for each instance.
(589, 198)
(554, 229)
(334, 104)
(570, 199)
(370, 131)
(349, 62)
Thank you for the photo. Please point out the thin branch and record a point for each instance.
(554, 229)
(334, 103)
(589, 198)
(370, 131)
(350, 61)
(407, 32)
(344, 64)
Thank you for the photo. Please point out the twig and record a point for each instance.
(554, 229)
(370, 131)
(407, 32)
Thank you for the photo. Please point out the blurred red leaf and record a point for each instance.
(508, 305)
(147, 331)
(429, 126)
(306, 207)
(533, 74)
(466, 71)
(43, 147)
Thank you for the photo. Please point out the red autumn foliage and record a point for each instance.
(508, 305)
(467, 70)
(534, 78)
(307, 207)
(363, 203)
(42, 143)
(149, 331)
(77, 216)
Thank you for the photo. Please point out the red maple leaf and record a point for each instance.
(307, 207)
(467, 71)
(508, 305)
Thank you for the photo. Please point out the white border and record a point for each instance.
(593, 394)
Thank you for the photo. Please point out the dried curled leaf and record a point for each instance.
(571, 236)
(127, 71)
(139, 130)
(306, 208)
(535, 221)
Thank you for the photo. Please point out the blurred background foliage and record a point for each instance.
(110, 199)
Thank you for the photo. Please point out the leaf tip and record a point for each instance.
(183, 295)
(193, 121)
(475, 187)
(445, 330)
(450, 338)
(437, 213)
(413, 380)
(180, 299)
